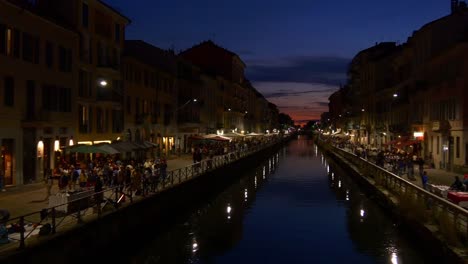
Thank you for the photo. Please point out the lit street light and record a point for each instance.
(103, 83)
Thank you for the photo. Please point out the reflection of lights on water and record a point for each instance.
(339, 184)
(255, 182)
(246, 194)
(347, 195)
(264, 168)
(394, 258)
(333, 176)
(194, 247)
(328, 169)
(228, 210)
(362, 213)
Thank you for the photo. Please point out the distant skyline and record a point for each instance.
(296, 51)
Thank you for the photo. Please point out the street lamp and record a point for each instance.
(186, 103)
(395, 95)
(103, 83)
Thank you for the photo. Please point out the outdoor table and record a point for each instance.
(460, 198)
(439, 190)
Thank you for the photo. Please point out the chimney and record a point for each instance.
(453, 6)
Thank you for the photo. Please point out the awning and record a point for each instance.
(108, 149)
(219, 138)
(254, 134)
(233, 134)
(148, 144)
(88, 149)
(125, 146)
(409, 142)
(402, 142)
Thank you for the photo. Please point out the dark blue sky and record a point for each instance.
(296, 51)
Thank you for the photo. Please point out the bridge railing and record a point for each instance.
(66, 215)
(418, 203)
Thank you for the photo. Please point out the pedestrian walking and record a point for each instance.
(420, 162)
(424, 180)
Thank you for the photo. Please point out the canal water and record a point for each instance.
(295, 207)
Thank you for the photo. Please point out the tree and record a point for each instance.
(285, 120)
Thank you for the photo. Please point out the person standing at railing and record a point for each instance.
(83, 179)
(121, 178)
(163, 169)
(75, 176)
(410, 168)
(4, 216)
(98, 196)
(136, 181)
(209, 162)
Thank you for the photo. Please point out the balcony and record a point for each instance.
(147, 118)
(108, 96)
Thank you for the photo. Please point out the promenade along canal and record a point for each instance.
(296, 207)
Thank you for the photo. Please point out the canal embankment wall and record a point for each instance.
(142, 220)
(418, 220)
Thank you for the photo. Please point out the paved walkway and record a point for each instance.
(21, 200)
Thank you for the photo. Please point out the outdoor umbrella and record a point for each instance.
(219, 138)
(88, 149)
(108, 149)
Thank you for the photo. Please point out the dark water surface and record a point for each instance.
(297, 207)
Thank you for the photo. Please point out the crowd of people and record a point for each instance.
(398, 162)
(135, 176)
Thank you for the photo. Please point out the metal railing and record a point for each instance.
(433, 206)
(96, 205)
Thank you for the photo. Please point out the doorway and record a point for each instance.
(7, 147)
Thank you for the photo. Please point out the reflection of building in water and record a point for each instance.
(220, 225)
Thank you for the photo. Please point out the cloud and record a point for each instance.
(306, 69)
(294, 93)
(302, 101)
(300, 86)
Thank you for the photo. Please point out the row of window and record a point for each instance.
(28, 47)
(444, 110)
(56, 99)
(457, 145)
(143, 107)
(102, 26)
(86, 120)
(148, 79)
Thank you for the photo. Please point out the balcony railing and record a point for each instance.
(110, 96)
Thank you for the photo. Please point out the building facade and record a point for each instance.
(38, 81)
(415, 93)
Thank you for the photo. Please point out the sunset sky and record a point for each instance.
(296, 51)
